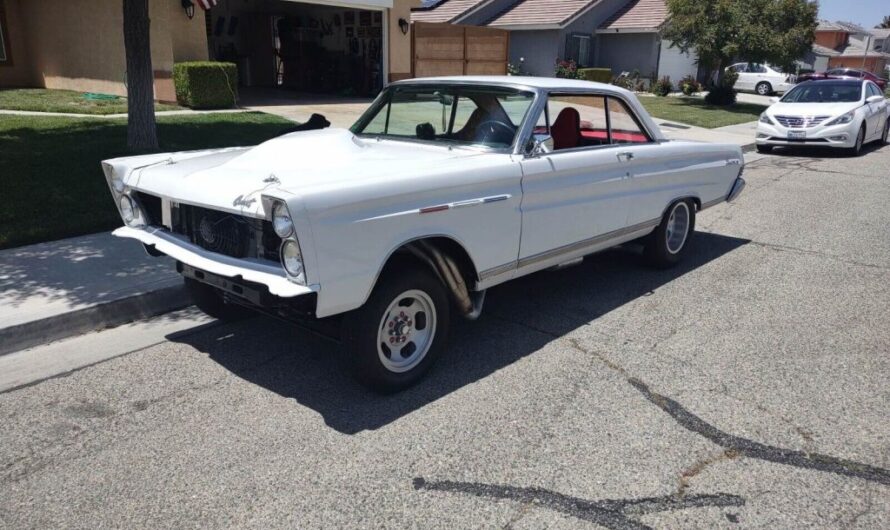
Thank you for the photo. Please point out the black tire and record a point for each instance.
(210, 301)
(885, 138)
(362, 328)
(856, 150)
(764, 88)
(657, 250)
(764, 149)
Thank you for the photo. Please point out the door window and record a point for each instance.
(578, 121)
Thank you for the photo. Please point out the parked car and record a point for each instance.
(762, 78)
(444, 188)
(828, 113)
(846, 73)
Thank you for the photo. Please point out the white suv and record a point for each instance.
(762, 78)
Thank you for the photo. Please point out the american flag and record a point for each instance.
(206, 4)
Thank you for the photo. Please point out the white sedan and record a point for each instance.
(444, 188)
(827, 113)
(762, 79)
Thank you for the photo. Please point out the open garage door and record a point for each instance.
(451, 49)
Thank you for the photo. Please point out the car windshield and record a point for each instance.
(449, 114)
(824, 93)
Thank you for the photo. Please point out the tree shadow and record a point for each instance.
(519, 320)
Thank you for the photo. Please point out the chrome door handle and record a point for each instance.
(626, 156)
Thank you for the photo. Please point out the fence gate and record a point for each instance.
(451, 49)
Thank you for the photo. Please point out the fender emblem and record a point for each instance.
(242, 201)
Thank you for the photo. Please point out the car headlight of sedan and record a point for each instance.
(130, 212)
(292, 260)
(764, 118)
(842, 119)
(281, 221)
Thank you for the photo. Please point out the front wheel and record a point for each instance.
(764, 149)
(666, 245)
(398, 334)
(856, 150)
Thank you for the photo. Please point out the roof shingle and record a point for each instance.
(540, 12)
(444, 11)
(636, 15)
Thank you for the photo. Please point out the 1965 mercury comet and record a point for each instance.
(443, 188)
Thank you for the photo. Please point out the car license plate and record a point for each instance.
(797, 135)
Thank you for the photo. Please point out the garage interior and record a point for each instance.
(299, 46)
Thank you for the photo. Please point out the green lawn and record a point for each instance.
(694, 111)
(43, 100)
(52, 183)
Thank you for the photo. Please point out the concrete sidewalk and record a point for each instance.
(741, 134)
(56, 290)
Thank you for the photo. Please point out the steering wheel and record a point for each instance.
(494, 131)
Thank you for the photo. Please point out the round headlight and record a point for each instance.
(292, 259)
(281, 221)
(130, 212)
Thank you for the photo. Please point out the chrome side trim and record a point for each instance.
(715, 202)
(500, 269)
(593, 241)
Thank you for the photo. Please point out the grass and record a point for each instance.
(52, 183)
(43, 100)
(694, 111)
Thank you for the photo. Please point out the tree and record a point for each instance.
(885, 24)
(142, 131)
(721, 31)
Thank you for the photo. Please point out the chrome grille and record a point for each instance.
(232, 235)
(800, 122)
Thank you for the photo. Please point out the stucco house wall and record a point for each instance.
(539, 49)
(626, 52)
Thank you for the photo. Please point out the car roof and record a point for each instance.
(544, 83)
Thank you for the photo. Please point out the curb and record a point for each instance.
(93, 318)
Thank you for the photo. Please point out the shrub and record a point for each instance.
(599, 75)
(725, 94)
(640, 85)
(689, 85)
(624, 82)
(662, 87)
(567, 69)
(206, 84)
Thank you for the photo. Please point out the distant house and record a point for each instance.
(847, 45)
(623, 35)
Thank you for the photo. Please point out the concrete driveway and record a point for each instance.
(746, 388)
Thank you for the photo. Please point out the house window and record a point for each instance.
(5, 57)
(578, 49)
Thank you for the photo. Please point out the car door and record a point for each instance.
(575, 194)
(876, 111)
(745, 81)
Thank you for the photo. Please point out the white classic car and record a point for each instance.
(836, 113)
(443, 188)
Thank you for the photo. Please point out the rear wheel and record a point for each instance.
(763, 88)
(398, 334)
(210, 301)
(764, 149)
(666, 245)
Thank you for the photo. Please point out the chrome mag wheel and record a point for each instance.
(406, 331)
(677, 228)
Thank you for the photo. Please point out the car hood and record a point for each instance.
(297, 164)
(811, 109)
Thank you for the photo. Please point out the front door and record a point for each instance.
(576, 195)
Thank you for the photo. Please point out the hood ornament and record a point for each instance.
(271, 179)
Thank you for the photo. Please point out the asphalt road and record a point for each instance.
(746, 388)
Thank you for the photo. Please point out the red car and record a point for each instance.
(845, 73)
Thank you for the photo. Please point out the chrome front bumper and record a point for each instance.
(251, 270)
(736, 189)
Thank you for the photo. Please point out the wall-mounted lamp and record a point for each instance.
(189, 7)
(403, 25)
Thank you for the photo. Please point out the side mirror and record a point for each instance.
(540, 144)
(774, 99)
(874, 99)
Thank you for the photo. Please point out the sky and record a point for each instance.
(866, 13)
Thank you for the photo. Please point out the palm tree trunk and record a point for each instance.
(141, 128)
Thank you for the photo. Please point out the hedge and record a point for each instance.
(600, 75)
(206, 84)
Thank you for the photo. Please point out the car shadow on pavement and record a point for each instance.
(824, 152)
(520, 318)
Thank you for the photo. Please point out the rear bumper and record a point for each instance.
(249, 270)
(736, 189)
